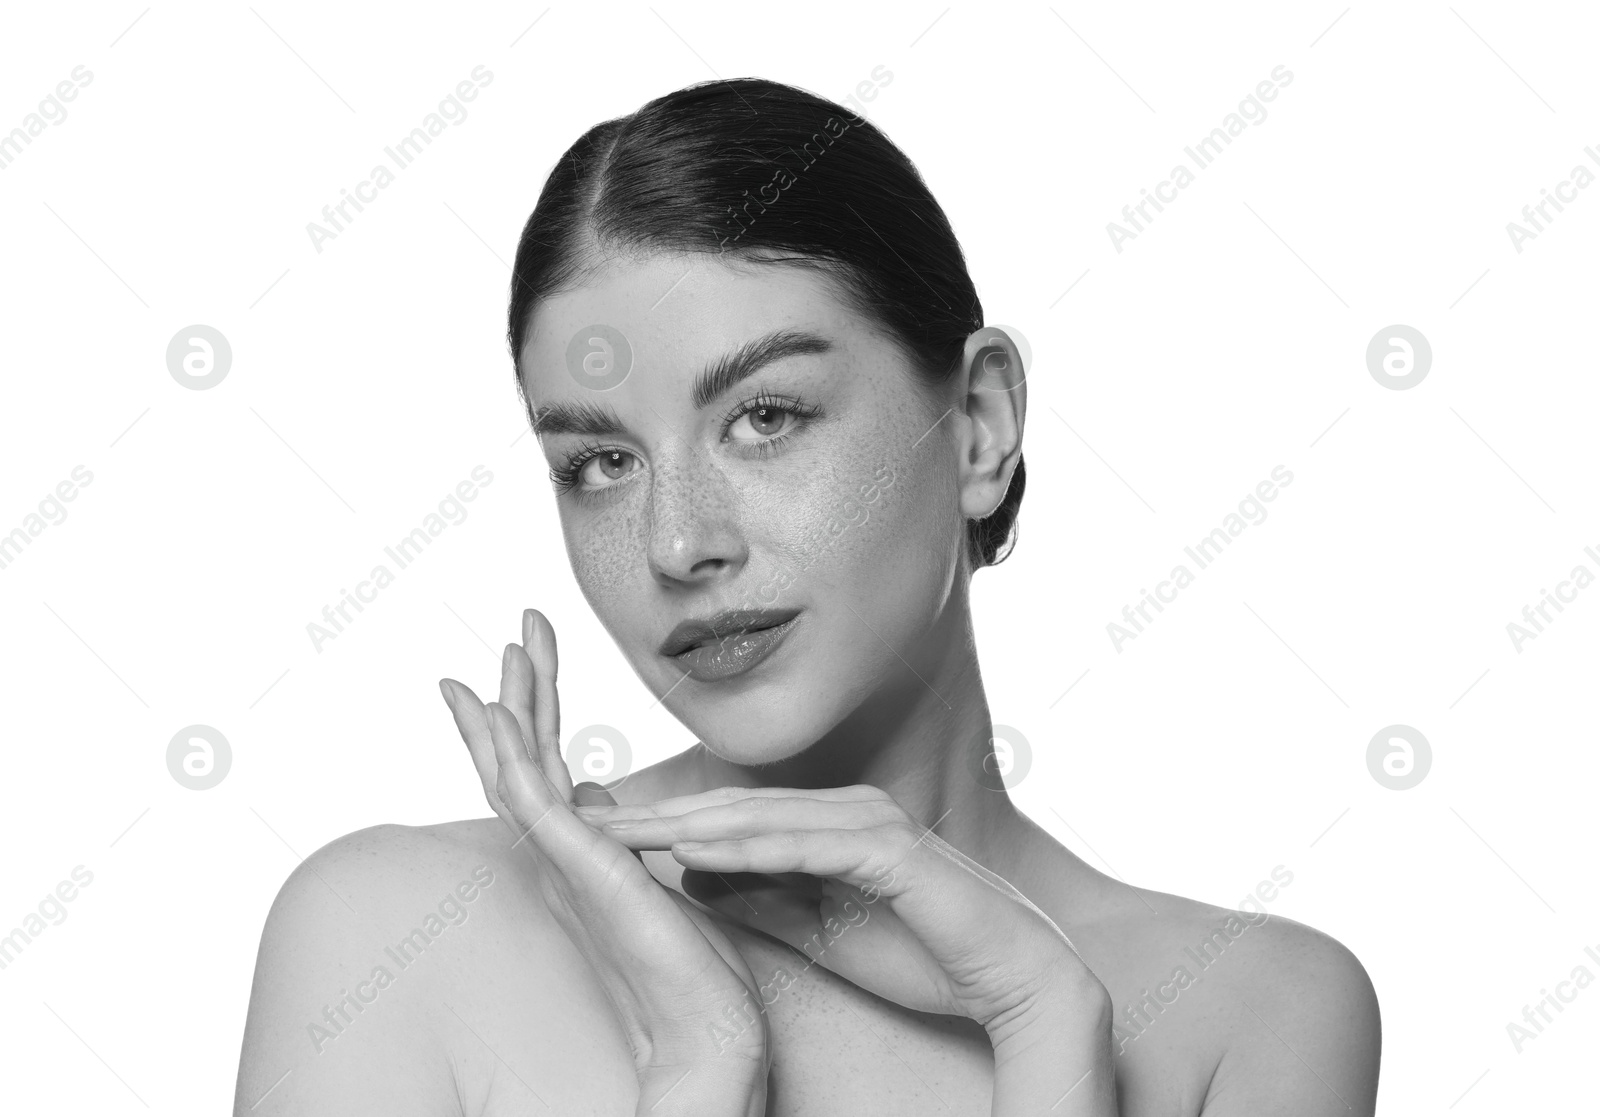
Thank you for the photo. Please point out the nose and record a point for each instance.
(693, 522)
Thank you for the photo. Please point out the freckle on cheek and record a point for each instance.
(841, 522)
(603, 551)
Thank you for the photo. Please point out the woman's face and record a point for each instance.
(759, 497)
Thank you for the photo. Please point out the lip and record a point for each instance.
(728, 644)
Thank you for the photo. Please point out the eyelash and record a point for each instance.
(565, 477)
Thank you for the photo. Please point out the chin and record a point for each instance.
(770, 721)
(778, 709)
(754, 750)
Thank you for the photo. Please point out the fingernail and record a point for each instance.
(505, 657)
(620, 823)
(590, 812)
(449, 695)
(527, 626)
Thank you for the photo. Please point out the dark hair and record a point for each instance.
(769, 173)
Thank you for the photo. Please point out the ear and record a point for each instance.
(995, 402)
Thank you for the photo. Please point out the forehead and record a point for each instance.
(674, 313)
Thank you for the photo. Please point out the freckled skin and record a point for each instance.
(703, 524)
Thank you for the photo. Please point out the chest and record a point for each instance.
(839, 1050)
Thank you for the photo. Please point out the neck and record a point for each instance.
(922, 738)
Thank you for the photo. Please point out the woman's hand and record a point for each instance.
(903, 914)
(682, 992)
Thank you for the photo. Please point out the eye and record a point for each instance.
(606, 468)
(762, 422)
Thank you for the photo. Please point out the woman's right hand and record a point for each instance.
(684, 996)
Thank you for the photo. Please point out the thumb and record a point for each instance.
(591, 794)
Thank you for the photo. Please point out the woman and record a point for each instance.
(782, 441)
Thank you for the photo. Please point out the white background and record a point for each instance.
(1228, 338)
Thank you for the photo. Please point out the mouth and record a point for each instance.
(728, 644)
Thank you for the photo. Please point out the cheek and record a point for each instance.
(907, 548)
(603, 548)
(882, 523)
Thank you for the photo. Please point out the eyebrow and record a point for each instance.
(714, 381)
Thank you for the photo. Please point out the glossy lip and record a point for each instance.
(726, 625)
(728, 644)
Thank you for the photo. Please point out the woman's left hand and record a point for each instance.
(898, 911)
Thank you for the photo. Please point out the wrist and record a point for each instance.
(1052, 1029)
(1054, 1055)
(716, 1087)
(1069, 1001)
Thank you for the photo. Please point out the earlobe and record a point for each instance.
(980, 501)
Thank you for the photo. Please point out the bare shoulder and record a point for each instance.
(1310, 1013)
(371, 883)
(1283, 1014)
(394, 963)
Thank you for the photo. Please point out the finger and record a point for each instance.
(539, 644)
(856, 857)
(773, 903)
(746, 818)
(811, 915)
(541, 816)
(930, 885)
(592, 794)
(586, 863)
(516, 689)
(721, 796)
(921, 874)
(473, 724)
(589, 794)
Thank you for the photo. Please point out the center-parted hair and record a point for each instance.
(766, 173)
